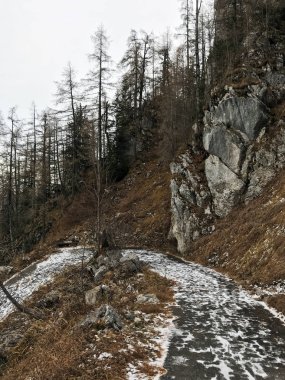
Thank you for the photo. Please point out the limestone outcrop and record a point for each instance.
(190, 203)
(243, 129)
(245, 147)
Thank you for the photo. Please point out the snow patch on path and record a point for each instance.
(221, 332)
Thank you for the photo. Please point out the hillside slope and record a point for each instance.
(249, 244)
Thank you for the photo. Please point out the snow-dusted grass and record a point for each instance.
(163, 332)
(23, 284)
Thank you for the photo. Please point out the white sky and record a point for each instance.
(39, 37)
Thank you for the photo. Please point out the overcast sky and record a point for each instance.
(39, 37)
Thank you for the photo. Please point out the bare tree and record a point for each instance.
(68, 96)
(97, 84)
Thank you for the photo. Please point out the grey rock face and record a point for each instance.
(227, 144)
(224, 184)
(265, 164)
(244, 114)
(190, 204)
(276, 79)
(243, 158)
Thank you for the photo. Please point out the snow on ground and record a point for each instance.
(271, 290)
(23, 284)
(220, 331)
(163, 331)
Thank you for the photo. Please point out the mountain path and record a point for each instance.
(219, 333)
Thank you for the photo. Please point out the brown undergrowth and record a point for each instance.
(59, 348)
(140, 207)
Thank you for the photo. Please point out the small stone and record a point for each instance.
(147, 299)
(97, 294)
(51, 300)
(129, 315)
(137, 321)
(5, 270)
(99, 274)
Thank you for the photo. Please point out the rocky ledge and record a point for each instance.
(244, 140)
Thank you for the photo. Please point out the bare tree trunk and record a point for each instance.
(10, 189)
(58, 158)
(99, 149)
(187, 36)
(142, 73)
(34, 158)
(197, 60)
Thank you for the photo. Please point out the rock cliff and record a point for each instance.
(243, 137)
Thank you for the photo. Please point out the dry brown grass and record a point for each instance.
(57, 348)
(141, 206)
(136, 211)
(277, 302)
(279, 110)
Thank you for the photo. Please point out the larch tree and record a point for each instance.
(97, 85)
(68, 97)
(186, 16)
(14, 130)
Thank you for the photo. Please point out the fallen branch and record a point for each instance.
(33, 313)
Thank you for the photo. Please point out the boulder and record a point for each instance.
(97, 294)
(90, 320)
(103, 260)
(110, 259)
(104, 317)
(130, 265)
(114, 256)
(225, 186)
(99, 274)
(110, 317)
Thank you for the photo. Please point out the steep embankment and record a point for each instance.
(139, 211)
